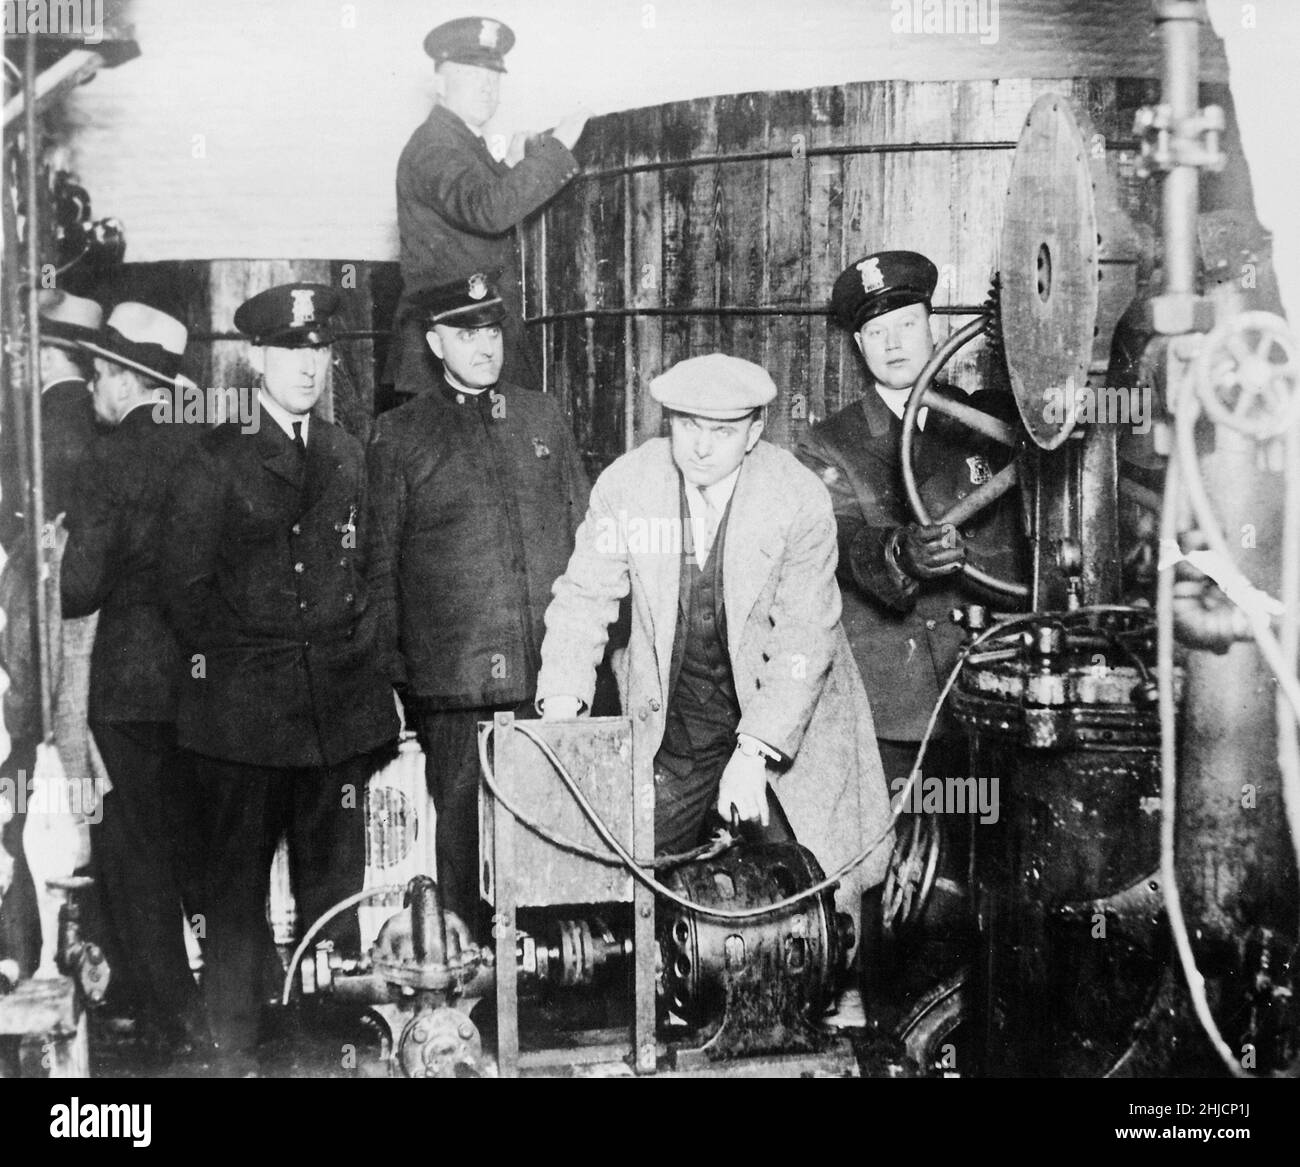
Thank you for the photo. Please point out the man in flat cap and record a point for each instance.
(737, 673)
(479, 489)
(285, 709)
(67, 416)
(899, 578)
(458, 205)
(111, 566)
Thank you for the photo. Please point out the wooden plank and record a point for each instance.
(690, 230)
(740, 218)
(785, 339)
(825, 204)
(645, 270)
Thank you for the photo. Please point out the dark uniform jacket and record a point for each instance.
(902, 636)
(268, 586)
(111, 565)
(457, 209)
(476, 506)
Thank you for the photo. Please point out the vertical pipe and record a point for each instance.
(630, 379)
(36, 531)
(544, 279)
(1180, 34)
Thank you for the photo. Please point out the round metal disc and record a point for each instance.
(1049, 268)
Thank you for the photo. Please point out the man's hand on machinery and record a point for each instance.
(744, 786)
(569, 130)
(928, 552)
(560, 708)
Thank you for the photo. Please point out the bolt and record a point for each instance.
(421, 1034)
(467, 1031)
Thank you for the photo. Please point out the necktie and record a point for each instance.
(297, 438)
(712, 517)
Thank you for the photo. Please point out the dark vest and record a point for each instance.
(703, 710)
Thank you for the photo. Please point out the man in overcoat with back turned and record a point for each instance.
(111, 566)
(284, 704)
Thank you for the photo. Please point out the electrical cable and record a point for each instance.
(639, 873)
(343, 905)
(660, 862)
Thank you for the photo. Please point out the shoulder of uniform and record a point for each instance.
(393, 425)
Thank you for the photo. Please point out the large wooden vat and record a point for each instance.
(721, 223)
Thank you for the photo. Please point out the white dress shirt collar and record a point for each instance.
(896, 401)
(282, 417)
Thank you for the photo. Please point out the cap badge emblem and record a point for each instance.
(304, 307)
(477, 287)
(872, 280)
(980, 471)
(488, 34)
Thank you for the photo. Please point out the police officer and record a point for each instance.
(458, 206)
(479, 489)
(111, 565)
(283, 704)
(900, 579)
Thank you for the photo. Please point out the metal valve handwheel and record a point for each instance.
(1247, 372)
(983, 495)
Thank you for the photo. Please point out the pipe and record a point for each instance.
(728, 310)
(788, 152)
(32, 227)
(1179, 24)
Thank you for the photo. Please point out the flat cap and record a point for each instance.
(289, 316)
(471, 40)
(70, 317)
(470, 302)
(879, 283)
(715, 386)
(146, 336)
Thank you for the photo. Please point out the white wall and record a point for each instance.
(300, 108)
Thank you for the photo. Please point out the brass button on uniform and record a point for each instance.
(348, 599)
(296, 528)
(302, 604)
(654, 704)
(931, 625)
(298, 567)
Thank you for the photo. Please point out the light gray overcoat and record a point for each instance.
(799, 688)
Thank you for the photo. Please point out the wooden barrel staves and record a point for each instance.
(720, 225)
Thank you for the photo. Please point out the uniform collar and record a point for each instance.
(282, 417)
(459, 396)
(895, 400)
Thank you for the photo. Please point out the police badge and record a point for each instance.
(872, 278)
(980, 471)
(476, 289)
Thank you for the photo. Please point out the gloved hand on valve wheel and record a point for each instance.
(927, 552)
